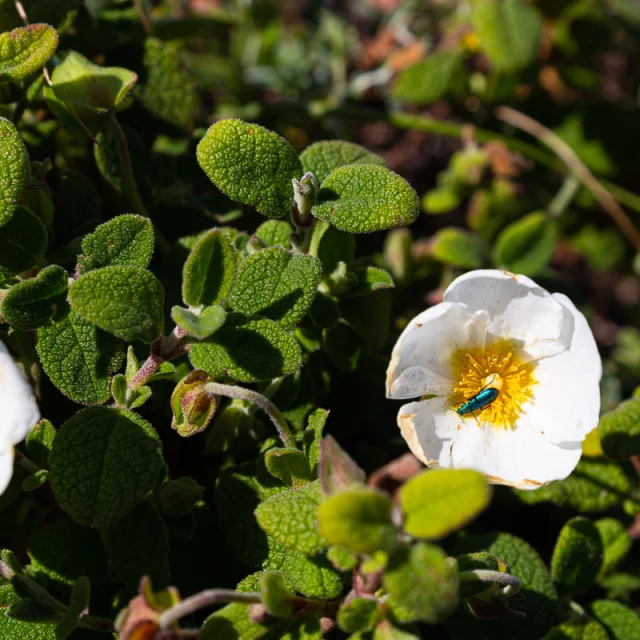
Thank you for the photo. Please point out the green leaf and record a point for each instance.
(277, 599)
(176, 498)
(331, 246)
(17, 629)
(312, 436)
(35, 480)
(210, 270)
(620, 621)
(39, 442)
(343, 346)
(358, 614)
(440, 200)
(248, 350)
(436, 503)
(232, 623)
(527, 245)
(103, 462)
(251, 165)
(169, 91)
(79, 358)
(422, 584)
(200, 325)
(25, 49)
(619, 430)
(289, 518)
(312, 577)
(65, 550)
(539, 603)
(36, 302)
(78, 605)
(289, 465)
(324, 311)
(125, 301)
(594, 485)
(275, 233)
(371, 279)
(138, 546)
(13, 171)
(275, 284)
(583, 629)
(459, 248)
(385, 630)
(23, 240)
(615, 540)
(336, 469)
(366, 198)
(322, 158)
(124, 240)
(577, 557)
(77, 81)
(358, 519)
(428, 80)
(370, 316)
(509, 32)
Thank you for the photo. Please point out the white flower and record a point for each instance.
(18, 412)
(498, 330)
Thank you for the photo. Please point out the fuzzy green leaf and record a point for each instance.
(125, 301)
(436, 503)
(23, 240)
(13, 171)
(322, 158)
(210, 270)
(621, 622)
(275, 233)
(289, 518)
(36, 302)
(583, 629)
(201, 325)
(422, 583)
(619, 430)
(366, 198)
(459, 248)
(277, 599)
(17, 629)
(577, 557)
(357, 519)
(124, 240)
(169, 91)
(428, 80)
(65, 550)
(78, 81)
(39, 442)
(79, 358)
(312, 577)
(509, 32)
(289, 465)
(358, 614)
(103, 462)
(251, 165)
(371, 279)
(527, 245)
(277, 285)
(25, 49)
(313, 436)
(343, 346)
(138, 546)
(248, 350)
(615, 540)
(331, 246)
(176, 498)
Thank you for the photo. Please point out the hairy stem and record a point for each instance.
(162, 350)
(206, 598)
(240, 393)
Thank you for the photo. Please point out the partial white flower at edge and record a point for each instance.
(18, 412)
(498, 330)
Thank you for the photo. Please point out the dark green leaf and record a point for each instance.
(176, 498)
(343, 346)
(312, 577)
(582, 629)
(78, 605)
(39, 442)
(621, 622)
(275, 233)
(16, 629)
(289, 465)
(313, 436)
(615, 540)
(23, 240)
(322, 158)
(13, 170)
(370, 316)
(331, 246)
(619, 430)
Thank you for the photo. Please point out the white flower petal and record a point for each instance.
(421, 359)
(6, 468)
(18, 408)
(518, 308)
(566, 397)
(522, 458)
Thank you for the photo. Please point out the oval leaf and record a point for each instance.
(13, 169)
(25, 49)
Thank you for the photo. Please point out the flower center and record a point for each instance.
(499, 367)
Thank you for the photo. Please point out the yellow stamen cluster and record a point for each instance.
(498, 366)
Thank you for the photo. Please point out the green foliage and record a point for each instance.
(248, 350)
(616, 542)
(620, 621)
(428, 80)
(101, 487)
(251, 165)
(322, 158)
(289, 465)
(78, 604)
(79, 358)
(123, 300)
(577, 557)
(275, 233)
(13, 171)
(436, 503)
(25, 49)
(336, 469)
(312, 577)
(277, 285)
(202, 324)
(619, 431)
(37, 302)
(422, 584)
(526, 246)
(582, 629)
(358, 519)
(39, 442)
(366, 198)
(17, 629)
(359, 614)
(459, 248)
(23, 240)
